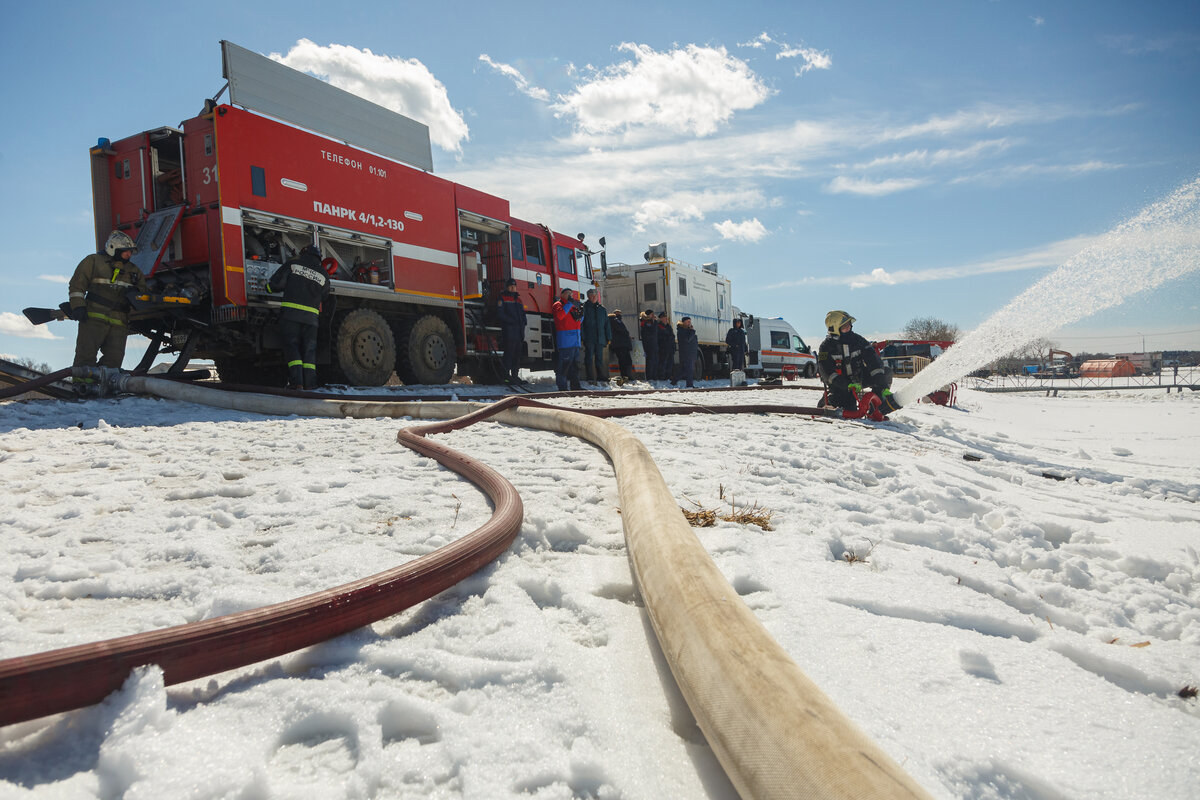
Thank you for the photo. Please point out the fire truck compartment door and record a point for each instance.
(153, 238)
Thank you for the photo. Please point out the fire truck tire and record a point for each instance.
(364, 349)
(810, 371)
(427, 353)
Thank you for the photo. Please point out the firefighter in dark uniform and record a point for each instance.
(99, 292)
(513, 321)
(305, 287)
(648, 333)
(846, 359)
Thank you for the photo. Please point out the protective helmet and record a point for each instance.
(118, 241)
(836, 320)
(311, 250)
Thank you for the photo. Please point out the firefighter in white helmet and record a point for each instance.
(99, 297)
(847, 360)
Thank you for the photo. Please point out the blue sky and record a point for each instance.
(893, 159)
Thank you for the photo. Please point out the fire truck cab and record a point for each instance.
(416, 262)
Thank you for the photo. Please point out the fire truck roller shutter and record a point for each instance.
(427, 353)
(364, 350)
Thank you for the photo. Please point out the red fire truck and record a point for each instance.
(417, 261)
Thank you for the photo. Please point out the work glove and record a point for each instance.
(79, 313)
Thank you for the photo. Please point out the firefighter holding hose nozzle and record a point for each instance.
(847, 362)
(99, 291)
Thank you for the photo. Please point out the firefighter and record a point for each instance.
(596, 334)
(689, 349)
(847, 360)
(512, 329)
(648, 333)
(567, 317)
(305, 287)
(666, 348)
(622, 345)
(736, 339)
(99, 300)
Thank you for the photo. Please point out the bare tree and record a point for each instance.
(25, 361)
(932, 329)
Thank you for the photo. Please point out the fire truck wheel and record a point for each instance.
(365, 349)
(810, 371)
(427, 353)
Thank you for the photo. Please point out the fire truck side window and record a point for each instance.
(566, 260)
(682, 286)
(779, 339)
(533, 250)
(258, 181)
(518, 247)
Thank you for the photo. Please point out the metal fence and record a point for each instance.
(1169, 378)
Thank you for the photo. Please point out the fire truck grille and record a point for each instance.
(223, 314)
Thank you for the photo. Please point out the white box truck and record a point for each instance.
(680, 289)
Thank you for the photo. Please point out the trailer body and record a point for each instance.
(681, 290)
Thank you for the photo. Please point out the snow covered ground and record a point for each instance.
(1005, 595)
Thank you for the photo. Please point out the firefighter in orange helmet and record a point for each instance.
(99, 296)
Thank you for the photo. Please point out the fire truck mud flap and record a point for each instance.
(364, 349)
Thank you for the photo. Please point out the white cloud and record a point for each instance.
(659, 214)
(813, 59)
(54, 278)
(690, 89)
(843, 185)
(519, 80)
(879, 275)
(927, 158)
(1049, 256)
(750, 230)
(402, 85)
(16, 325)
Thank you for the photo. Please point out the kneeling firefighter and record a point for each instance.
(99, 291)
(848, 361)
(305, 286)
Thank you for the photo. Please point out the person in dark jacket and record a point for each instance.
(98, 294)
(568, 315)
(305, 288)
(689, 349)
(846, 360)
(512, 329)
(648, 333)
(622, 345)
(596, 334)
(736, 339)
(666, 348)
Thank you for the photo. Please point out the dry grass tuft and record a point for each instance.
(852, 557)
(700, 519)
(706, 518)
(751, 516)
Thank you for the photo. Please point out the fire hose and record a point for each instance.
(773, 730)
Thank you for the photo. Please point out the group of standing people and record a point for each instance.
(660, 343)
